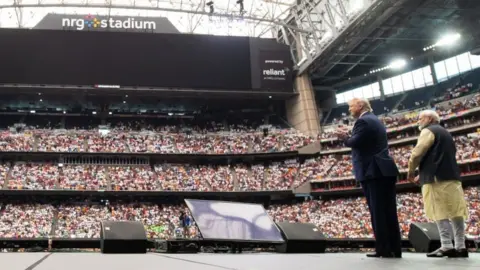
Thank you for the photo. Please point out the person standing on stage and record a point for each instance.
(377, 173)
(439, 177)
(185, 224)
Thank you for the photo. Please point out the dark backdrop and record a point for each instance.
(126, 59)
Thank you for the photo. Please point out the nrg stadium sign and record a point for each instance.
(92, 22)
(96, 23)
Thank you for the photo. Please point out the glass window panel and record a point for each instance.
(397, 84)
(427, 75)
(357, 92)
(348, 96)
(376, 90)
(452, 67)
(418, 80)
(407, 80)
(387, 87)
(441, 71)
(367, 91)
(463, 63)
(340, 98)
(474, 60)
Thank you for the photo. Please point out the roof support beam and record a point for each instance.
(134, 6)
(324, 21)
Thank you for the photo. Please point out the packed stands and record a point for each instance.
(33, 176)
(249, 180)
(179, 177)
(283, 175)
(86, 177)
(336, 218)
(26, 220)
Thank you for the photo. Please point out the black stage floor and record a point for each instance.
(258, 261)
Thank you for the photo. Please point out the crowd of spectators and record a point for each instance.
(155, 140)
(250, 180)
(281, 175)
(41, 176)
(179, 177)
(221, 139)
(444, 109)
(349, 217)
(339, 218)
(133, 178)
(83, 177)
(26, 220)
(336, 218)
(12, 141)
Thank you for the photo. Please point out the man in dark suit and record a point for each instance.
(377, 173)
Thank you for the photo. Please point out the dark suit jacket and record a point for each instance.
(370, 156)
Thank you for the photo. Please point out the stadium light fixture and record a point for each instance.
(445, 41)
(242, 9)
(211, 7)
(397, 64)
(448, 40)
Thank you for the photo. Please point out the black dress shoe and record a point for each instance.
(397, 255)
(440, 253)
(462, 253)
(379, 255)
(374, 255)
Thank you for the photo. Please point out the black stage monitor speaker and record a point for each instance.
(123, 237)
(301, 238)
(424, 237)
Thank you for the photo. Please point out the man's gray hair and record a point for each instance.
(432, 114)
(365, 103)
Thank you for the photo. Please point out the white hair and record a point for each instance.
(432, 114)
(364, 102)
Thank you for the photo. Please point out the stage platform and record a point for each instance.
(204, 261)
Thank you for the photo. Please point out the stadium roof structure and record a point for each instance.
(226, 17)
(389, 30)
(317, 20)
(332, 40)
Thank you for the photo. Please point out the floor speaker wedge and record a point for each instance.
(301, 238)
(424, 237)
(123, 237)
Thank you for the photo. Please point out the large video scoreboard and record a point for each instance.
(144, 59)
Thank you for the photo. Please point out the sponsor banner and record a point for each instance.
(276, 70)
(106, 23)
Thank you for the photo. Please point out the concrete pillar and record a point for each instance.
(380, 87)
(302, 111)
(431, 63)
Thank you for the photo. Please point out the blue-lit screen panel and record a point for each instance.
(218, 220)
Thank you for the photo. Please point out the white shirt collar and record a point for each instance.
(363, 114)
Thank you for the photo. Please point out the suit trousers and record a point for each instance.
(382, 204)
